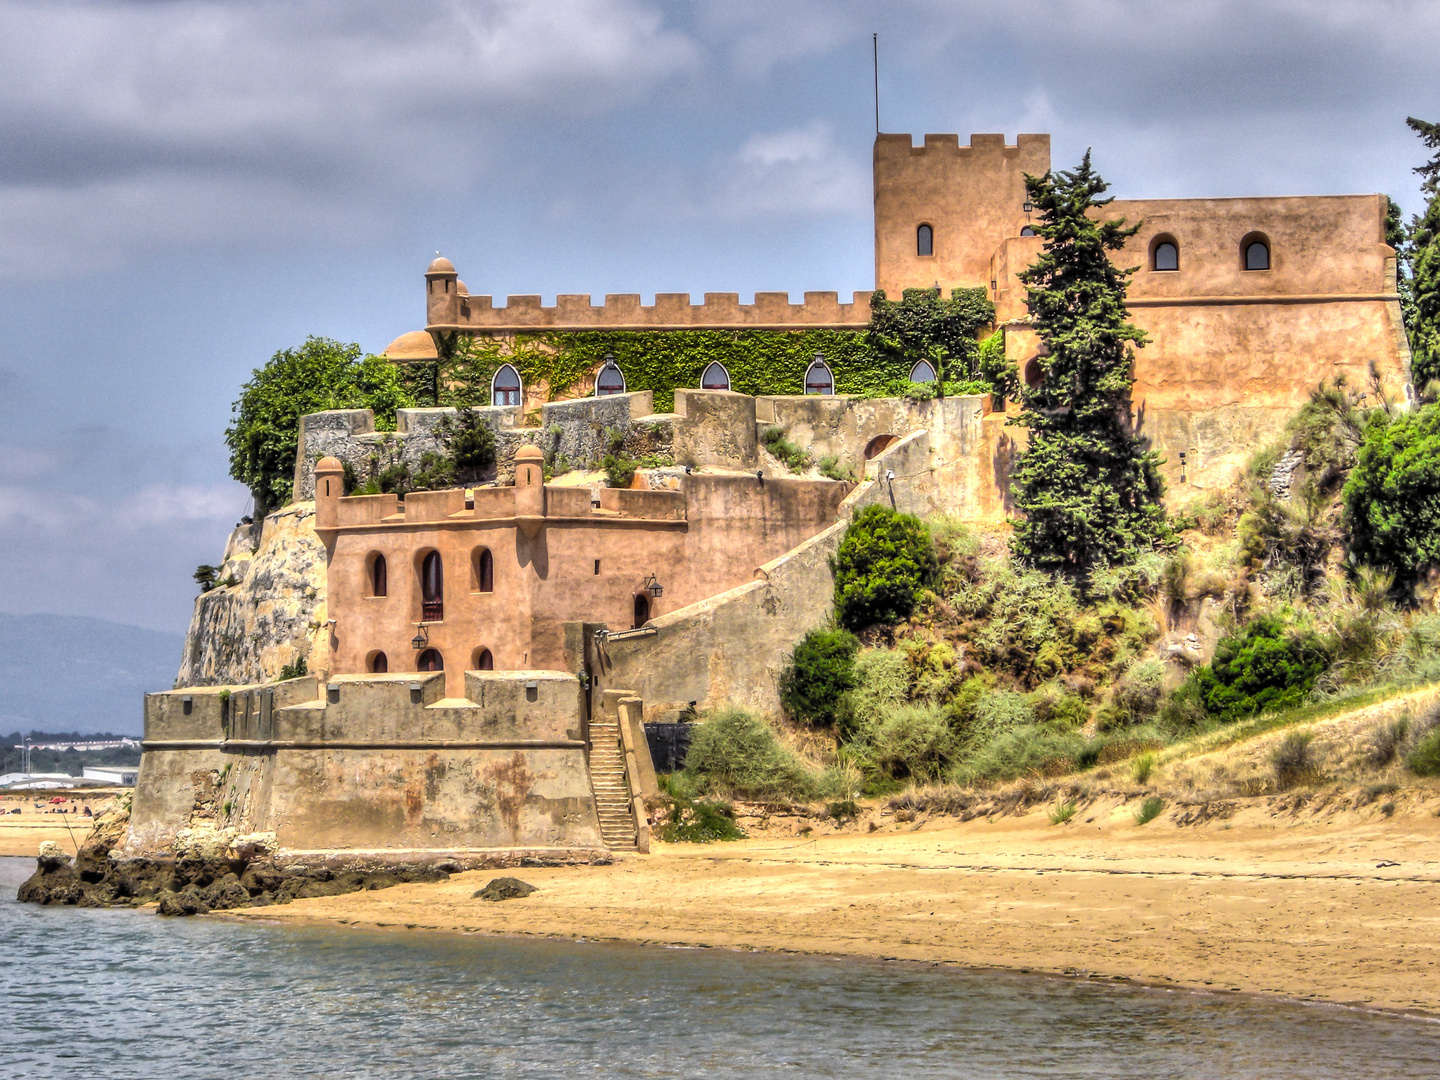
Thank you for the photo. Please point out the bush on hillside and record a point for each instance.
(1424, 760)
(1265, 666)
(885, 560)
(821, 671)
(734, 752)
(1392, 499)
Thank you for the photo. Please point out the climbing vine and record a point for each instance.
(760, 362)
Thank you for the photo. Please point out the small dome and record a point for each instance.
(529, 453)
(441, 265)
(329, 464)
(415, 345)
(461, 289)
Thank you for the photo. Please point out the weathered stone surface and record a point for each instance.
(504, 888)
(272, 616)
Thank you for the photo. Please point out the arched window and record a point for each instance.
(484, 570)
(432, 588)
(924, 240)
(818, 377)
(611, 379)
(483, 660)
(430, 660)
(922, 372)
(642, 610)
(1027, 231)
(379, 583)
(1165, 255)
(715, 377)
(379, 663)
(878, 445)
(505, 386)
(1034, 373)
(1257, 252)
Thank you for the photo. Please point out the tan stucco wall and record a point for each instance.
(972, 196)
(700, 541)
(373, 763)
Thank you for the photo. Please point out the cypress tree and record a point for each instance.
(1089, 491)
(1423, 253)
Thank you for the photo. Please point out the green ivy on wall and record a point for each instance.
(760, 362)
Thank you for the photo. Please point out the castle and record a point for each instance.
(489, 657)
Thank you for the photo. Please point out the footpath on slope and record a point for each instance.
(1339, 907)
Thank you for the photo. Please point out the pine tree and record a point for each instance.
(1424, 259)
(1089, 491)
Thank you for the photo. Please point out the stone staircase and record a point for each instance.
(610, 787)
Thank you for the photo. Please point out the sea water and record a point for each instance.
(119, 993)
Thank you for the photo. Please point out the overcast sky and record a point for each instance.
(187, 187)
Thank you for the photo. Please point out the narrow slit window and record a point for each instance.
(484, 571)
(379, 578)
(597, 567)
(924, 240)
(432, 589)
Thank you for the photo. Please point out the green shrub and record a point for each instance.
(1392, 498)
(831, 469)
(293, 670)
(912, 742)
(820, 672)
(884, 561)
(1062, 813)
(1385, 744)
(843, 810)
(1291, 759)
(470, 445)
(1060, 709)
(1424, 760)
(774, 440)
(734, 752)
(699, 823)
(1022, 751)
(1149, 810)
(619, 471)
(205, 576)
(1142, 767)
(1265, 666)
(1137, 696)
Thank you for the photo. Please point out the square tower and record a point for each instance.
(971, 199)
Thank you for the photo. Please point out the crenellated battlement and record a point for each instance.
(450, 308)
(979, 146)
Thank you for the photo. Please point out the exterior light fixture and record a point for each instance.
(421, 638)
(1029, 207)
(890, 475)
(653, 587)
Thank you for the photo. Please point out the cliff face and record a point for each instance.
(272, 616)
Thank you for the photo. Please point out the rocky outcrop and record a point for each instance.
(268, 610)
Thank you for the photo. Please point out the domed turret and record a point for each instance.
(441, 265)
(442, 298)
(417, 345)
(329, 486)
(529, 490)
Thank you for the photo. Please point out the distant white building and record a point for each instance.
(120, 775)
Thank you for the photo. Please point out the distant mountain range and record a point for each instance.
(63, 673)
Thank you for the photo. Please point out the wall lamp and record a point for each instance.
(421, 638)
(653, 587)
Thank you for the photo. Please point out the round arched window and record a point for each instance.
(922, 372)
(818, 378)
(611, 379)
(1027, 231)
(715, 377)
(1166, 256)
(484, 660)
(432, 588)
(924, 240)
(505, 386)
(430, 660)
(1257, 255)
(379, 664)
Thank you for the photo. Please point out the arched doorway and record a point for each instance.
(484, 660)
(432, 588)
(430, 660)
(379, 664)
(642, 610)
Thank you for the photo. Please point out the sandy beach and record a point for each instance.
(1316, 901)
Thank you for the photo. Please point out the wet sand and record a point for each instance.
(1294, 903)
